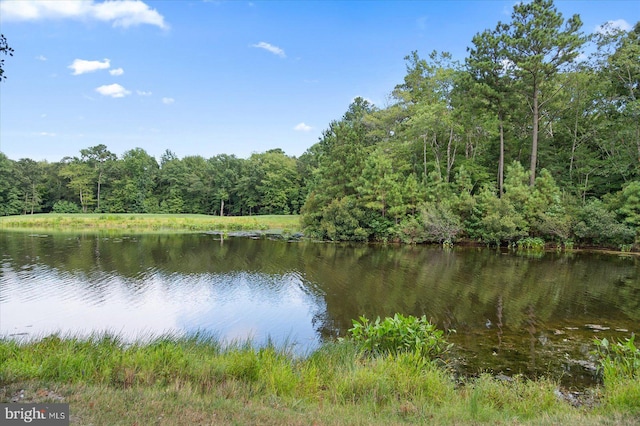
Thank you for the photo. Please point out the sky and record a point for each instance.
(221, 77)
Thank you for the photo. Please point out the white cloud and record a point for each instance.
(364, 98)
(116, 71)
(123, 13)
(168, 101)
(48, 134)
(113, 90)
(143, 93)
(270, 48)
(81, 66)
(41, 58)
(613, 26)
(128, 13)
(302, 127)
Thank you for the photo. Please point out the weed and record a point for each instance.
(620, 369)
(398, 334)
(531, 244)
(626, 248)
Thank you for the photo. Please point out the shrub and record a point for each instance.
(440, 222)
(597, 225)
(531, 243)
(63, 206)
(399, 334)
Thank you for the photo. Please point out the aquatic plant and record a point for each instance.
(620, 369)
(531, 243)
(399, 334)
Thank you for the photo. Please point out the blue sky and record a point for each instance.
(220, 77)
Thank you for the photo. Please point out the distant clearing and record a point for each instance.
(149, 222)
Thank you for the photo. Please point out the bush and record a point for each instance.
(398, 335)
(597, 225)
(495, 220)
(63, 206)
(531, 243)
(440, 223)
(340, 221)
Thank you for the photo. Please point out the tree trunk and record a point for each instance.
(436, 154)
(424, 156)
(451, 156)
(99, 181)
(221, 207)
(574, 146)
(33, 198)
(501, 159)
(534, 139)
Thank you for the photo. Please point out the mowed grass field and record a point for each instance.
(150, 222)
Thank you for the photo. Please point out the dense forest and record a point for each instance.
(535, 135)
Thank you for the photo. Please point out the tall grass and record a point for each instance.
(336, 373)
(393, 386)
(339, 383)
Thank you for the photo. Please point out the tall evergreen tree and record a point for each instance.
(539, 43)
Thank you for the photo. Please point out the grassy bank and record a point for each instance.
(192, 381)
(149, 222)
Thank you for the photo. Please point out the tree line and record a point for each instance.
(100, 181)
(535, 134)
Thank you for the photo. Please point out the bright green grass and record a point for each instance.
(196, 380)
(150, 222)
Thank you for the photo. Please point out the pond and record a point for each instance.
(513, 313)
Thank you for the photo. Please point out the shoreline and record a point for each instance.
(285, 227)
(195, 381)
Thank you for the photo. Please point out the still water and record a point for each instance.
(512, 313)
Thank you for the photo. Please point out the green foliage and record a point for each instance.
(620, 360)
(440, 222)
(626, 203)
(422, 168)
(620, 368)
(531, 244)
(437, 223)
(539, 43)
(196, 380)
(545, 211)
(9, 195)
(598, 225)
(63, 206)
(340, 222)
(399, 334)
(494, 220)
